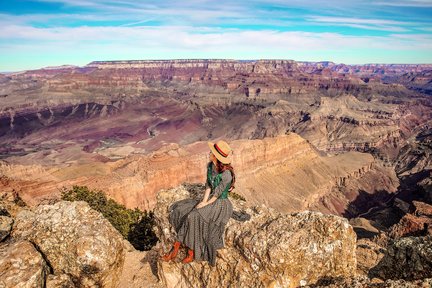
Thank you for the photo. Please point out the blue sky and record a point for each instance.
(41, 33)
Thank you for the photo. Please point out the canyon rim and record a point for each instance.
(349, 146)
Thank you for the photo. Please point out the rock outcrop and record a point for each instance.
(360, 282)
(5, 226)
(411, 225)
(285, 173)
(417, 222)
(407, 258)
(269, 250)
(368, 255)
(21, 265)
(10, 202)
(62, 280)
(422, 209)
(75, 240)
(416, 156)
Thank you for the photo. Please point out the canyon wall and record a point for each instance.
(142, 105)
(111, 125)
(285, 173)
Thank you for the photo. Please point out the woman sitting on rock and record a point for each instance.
(200, 225)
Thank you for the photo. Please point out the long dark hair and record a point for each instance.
(220, 167)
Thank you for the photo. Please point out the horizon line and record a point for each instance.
(53, 67)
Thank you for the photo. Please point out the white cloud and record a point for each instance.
(406, 3)
(328, 19)
(205, 39)
(363, 23)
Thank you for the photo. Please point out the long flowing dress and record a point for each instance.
(203, 229)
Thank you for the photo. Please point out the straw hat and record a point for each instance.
(221, 150)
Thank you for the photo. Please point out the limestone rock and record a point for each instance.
(363, 282)
(407, 258)
(270, 249)
(76, 240)
(21, 265)
(422, 209)
(411, 225)
(3, 210)
(363, 227)
(5, 226)
(368, 255)
(59, 281)
(10, 202)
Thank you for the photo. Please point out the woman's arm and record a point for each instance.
(206, 195)
(226, 179)
(202, 203)
(205, 198)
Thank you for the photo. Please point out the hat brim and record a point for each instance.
(222, 159)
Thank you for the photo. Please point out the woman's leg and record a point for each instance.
(173, 253)
(191, 234)
(189, 257)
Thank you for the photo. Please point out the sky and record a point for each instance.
(40, 33)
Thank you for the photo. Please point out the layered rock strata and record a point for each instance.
(285, 173)
(138, 105)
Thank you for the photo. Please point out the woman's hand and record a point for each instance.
(200, 205)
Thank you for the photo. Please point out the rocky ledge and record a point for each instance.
(66, 244)
(269, 250)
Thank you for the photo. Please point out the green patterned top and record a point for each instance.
(214, 181)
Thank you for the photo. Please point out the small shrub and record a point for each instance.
(135, 225)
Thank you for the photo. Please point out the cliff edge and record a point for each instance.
(269, 250)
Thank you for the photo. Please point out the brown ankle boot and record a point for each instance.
(173, 252)
(189, 257)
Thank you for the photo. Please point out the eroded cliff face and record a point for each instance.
(285, 173)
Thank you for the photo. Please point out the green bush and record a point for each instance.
(135, 225)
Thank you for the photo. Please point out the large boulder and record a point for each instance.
(76, 240)
(21, 265)
(408, 258)
(269, 250)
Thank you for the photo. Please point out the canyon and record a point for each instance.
(131, 128)
(311, 140)
(147, 104)
(285, 172)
